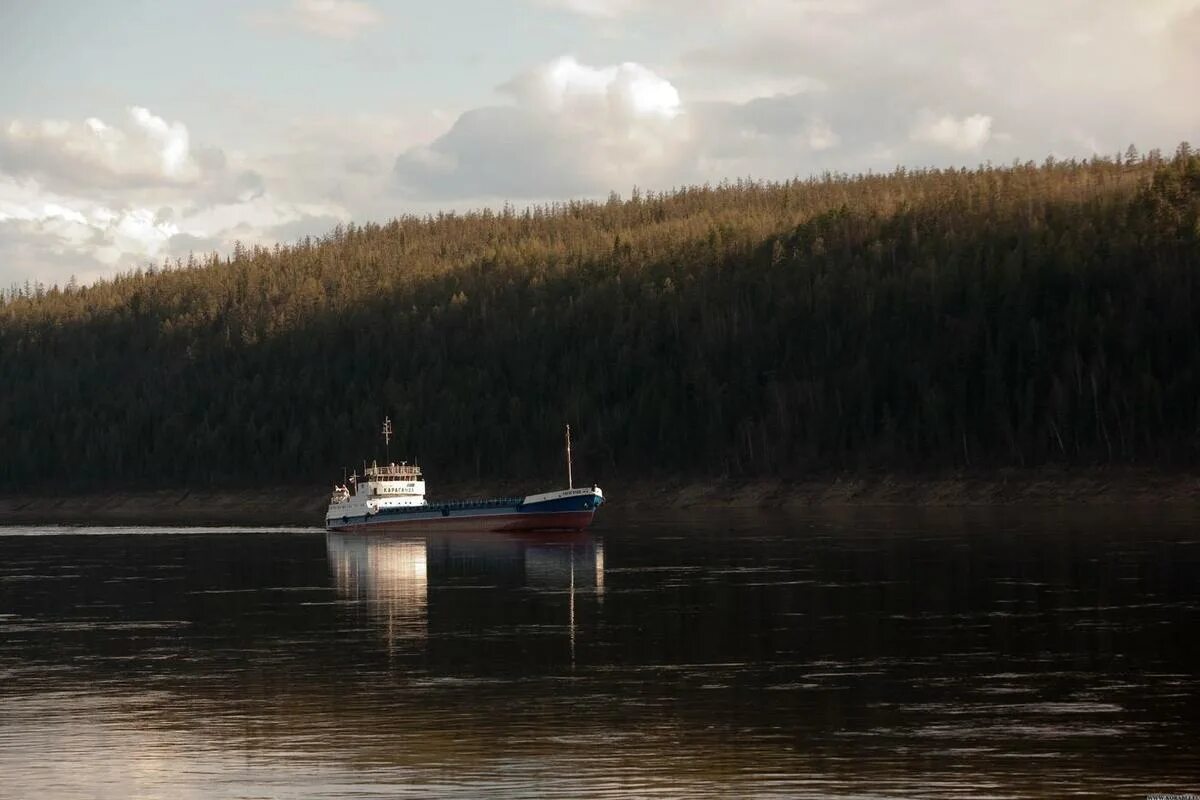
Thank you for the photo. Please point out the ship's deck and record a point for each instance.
(457, 505)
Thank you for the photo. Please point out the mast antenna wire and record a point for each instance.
(570, 480)
(387, 438)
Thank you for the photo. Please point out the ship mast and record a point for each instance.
(570, 482)
(387, 438)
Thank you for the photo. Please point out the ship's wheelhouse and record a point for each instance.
(390, 484)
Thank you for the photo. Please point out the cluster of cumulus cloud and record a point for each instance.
(782, 88)
(569, 130)
(84, 199)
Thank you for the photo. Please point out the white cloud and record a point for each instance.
(602, 9)
(334, 19)
(573, 129)
(101, 195)
(738, 88)
(249, 219)
(77, 221)
(1156, 16)
(48, 236)
(966, 134)
(1042, 70)
(123, 197)
(771, 13)
(172, 139)
(625, 91)
(819, 136)
(145, 150)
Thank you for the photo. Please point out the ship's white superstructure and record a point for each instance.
(379, 488)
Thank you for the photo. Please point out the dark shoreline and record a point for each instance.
(305, 506)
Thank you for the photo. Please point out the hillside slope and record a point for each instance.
(998, 317)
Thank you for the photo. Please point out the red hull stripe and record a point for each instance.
(563, 521)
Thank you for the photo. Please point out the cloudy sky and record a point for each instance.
(138, 130)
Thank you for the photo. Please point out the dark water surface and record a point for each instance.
(868, 654)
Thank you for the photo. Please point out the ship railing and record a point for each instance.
(483, 502)
(456, 505)
(411, 473)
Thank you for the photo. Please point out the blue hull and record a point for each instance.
(497, 514)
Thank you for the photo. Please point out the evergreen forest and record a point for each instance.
(922, 320)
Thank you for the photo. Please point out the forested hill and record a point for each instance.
(919, 320)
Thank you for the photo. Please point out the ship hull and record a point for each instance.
(570, 510)
(490, 523)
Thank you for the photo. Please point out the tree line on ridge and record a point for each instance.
(919, 320)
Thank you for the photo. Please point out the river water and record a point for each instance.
(852, 655)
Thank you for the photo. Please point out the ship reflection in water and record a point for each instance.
(851, 653)
(389, 576)
(455, 585)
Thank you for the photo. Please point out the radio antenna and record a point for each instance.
(570, 482)
(387, 438)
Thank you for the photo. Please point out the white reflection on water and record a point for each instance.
(389, 575)
(392, 575)
(565, 566)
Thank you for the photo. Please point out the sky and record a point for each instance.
(133, 131)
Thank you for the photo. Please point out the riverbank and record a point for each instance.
(306, 505)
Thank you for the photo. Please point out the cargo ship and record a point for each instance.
(391, 497)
